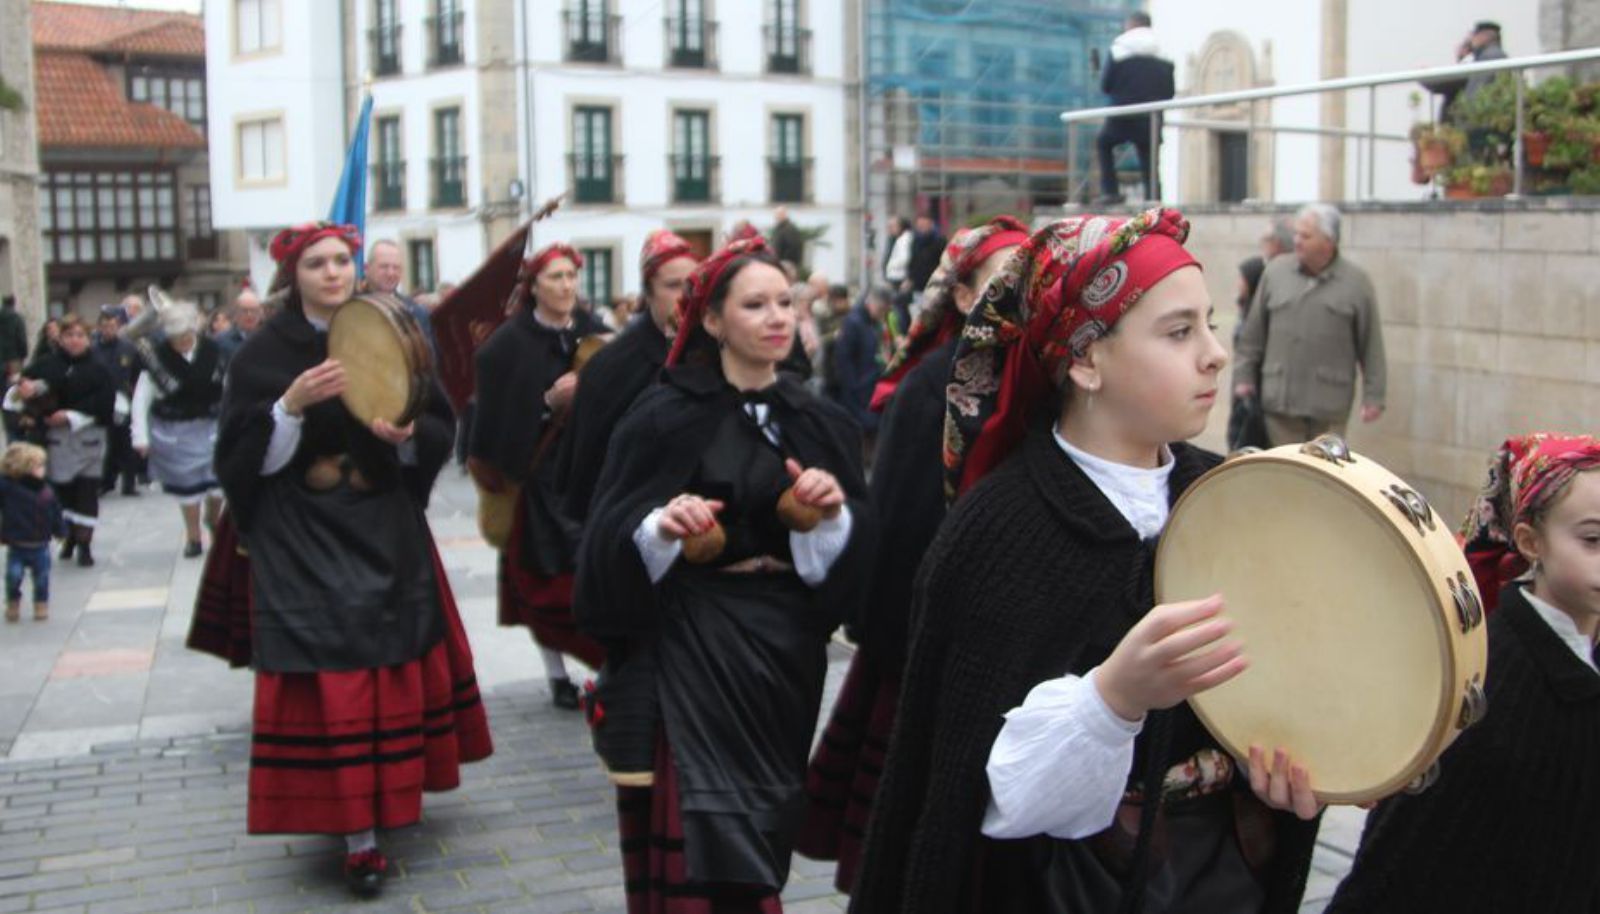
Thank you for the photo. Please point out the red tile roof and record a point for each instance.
(80, 105)
(79, 27)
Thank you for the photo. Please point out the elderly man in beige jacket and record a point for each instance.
(1313, 325)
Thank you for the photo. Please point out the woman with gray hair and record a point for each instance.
(175, 406)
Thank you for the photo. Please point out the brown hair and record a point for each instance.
(72, 322)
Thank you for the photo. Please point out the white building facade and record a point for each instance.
(688, 114)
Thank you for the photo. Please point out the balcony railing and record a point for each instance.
(385, 50)
(694, 178)
(449, 184)
(445, 39)
(691, 44)
(591, 37)
(595, 178)
(788, 49)
(791, 180)
(389, 186)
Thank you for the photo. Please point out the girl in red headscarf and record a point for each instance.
(716, 610)
(1043, 759)
(365, 692)
(525, 389)
(908, 497)
(1511, 824)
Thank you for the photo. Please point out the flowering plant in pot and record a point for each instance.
(1438, 147)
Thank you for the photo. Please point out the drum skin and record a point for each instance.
(385, 358)
(1356, 607)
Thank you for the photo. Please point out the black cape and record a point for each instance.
(1033, 575)
(515, 367)
(612, 380)
(908, 497)
(1513, 822)
(342, 578)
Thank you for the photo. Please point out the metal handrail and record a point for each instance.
(1370, 83)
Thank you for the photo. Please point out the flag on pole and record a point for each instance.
(350, 200)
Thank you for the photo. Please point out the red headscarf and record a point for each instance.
(940, 319)
(743, 231)
(531, 267)
(1528, 472)
(289, 244)
(696, 298)
(1064, 288)
(661, 247)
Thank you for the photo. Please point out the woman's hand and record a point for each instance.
(314, 385)
(560, 394)
(687, 515)
(1174, 652)
(25, 388)
(57, 419)
(1283, 785)
(816, 488)
(392, 433)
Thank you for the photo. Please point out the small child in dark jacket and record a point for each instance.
(29, 517)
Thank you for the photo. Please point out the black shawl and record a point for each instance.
(908, 497)
(257, 376)
(1033, 575)
(655, 452)
(1513, 822)
(81, 384)
(614, 377)
(185, 389)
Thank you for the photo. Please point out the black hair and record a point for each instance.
(1140, 19)
(719, 292)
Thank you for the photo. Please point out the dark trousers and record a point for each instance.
(1118, 130)
(80, 497)
(122, 462)
(464, 431)
(34, 560)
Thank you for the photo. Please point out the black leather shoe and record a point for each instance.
(563, 694)
(365, 871)
(67, 547)
(192, 549)
(85, 557)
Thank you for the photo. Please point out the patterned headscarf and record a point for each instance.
(528, 272)
(743, 231)
(696, 300)
(289, 244)
(1064, 288)
(1528, 472)
(660, 247)
(940, 319)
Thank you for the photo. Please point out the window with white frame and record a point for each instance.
(258, 25)
(261, 150)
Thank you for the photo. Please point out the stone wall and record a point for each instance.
(1491, 319)
(22, 273)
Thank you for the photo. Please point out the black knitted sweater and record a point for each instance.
(1033, 575)
(1513, 823)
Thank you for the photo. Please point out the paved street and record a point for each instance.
(122, 786)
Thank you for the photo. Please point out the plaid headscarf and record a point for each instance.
(696, 300)
(528, 272)
(661, 247)
(289, 244)
(940, 319)
(1527, 473)
(1064, 288)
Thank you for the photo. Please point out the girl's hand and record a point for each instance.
(560, 394)
(1283, 785)
(687, 515)
(816, 488)
(391, 433)
(1174, 652)
(313, 386)
(57, 419)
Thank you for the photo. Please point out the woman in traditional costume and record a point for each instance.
(716, 611)
(908, 498)
(73, 396)
(525, 385)
(365, 693)
(174, 417)
(1044, 759)
(1511, 823)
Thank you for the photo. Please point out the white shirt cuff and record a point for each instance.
(815, 552)
(657, 551)
(285, 438)
(77, 420)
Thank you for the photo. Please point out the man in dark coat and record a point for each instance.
(1135, 74)
(788, 242)
(856, 365)
(927, 246)
(122, 360)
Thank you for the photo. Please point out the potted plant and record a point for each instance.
(1550, 104)
(1438, 146)
(1585, 180)
(1468, 182)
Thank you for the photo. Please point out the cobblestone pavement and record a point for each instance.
(124, 786)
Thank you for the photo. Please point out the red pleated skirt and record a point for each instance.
(542, 604)
(846, 767)
(342, 752)
(221, 622)
(654, 871)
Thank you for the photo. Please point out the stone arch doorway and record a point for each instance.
(1222, 165)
